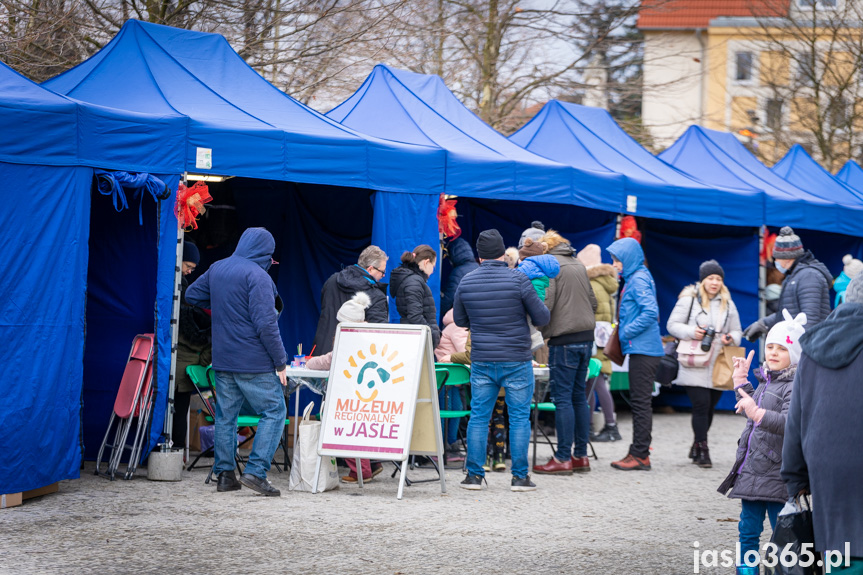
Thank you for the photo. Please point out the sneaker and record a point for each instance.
(608, 433)
(631, 463)
(454, 454)
(554, 467)
(522, 484)
(228, 482)
(473, 482)
(499, 463)
(259, 485)
(488, 463)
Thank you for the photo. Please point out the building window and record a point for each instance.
(806, 69)
(817, 3)
(837, 110)
(773, 115)
(744, 66)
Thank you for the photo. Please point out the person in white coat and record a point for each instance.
(699, 307)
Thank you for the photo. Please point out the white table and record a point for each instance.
(307, 374)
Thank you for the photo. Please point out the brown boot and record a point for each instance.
(631, 463)
(554, 467)
(703, 459)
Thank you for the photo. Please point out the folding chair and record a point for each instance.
(134, 401)
(204, 379)
(458, 375)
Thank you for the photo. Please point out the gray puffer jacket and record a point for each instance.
(755, 474)
(806, 289)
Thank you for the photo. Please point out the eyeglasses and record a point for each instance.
(380, 271)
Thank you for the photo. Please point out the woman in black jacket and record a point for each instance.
(409, 287)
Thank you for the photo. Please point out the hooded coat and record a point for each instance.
(414, 300)
(242, 297)
(700, 314)
(569, 298)
(539, 270)
(603, 281)
(638, 324)
(338, 289)
(755, 475)
(463, 262)
(806, 289)
(823, 433)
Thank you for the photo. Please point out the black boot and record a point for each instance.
(227, 482)
(693, 451)
(703, 459)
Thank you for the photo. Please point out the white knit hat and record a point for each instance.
(354, 310)
(852, 266)
(787, 334)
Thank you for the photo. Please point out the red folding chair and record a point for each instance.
(133, 402)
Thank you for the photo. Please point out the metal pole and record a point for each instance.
(175, 320)
(762, 289)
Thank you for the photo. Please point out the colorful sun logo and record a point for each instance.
(371, 375)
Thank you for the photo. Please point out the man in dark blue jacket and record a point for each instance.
(494, 302)
(248, 356)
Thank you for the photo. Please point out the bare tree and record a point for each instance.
(810, 59)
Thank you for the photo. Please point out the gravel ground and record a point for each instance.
(604, 522)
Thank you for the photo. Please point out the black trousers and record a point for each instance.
(642, 371)
(704, 402)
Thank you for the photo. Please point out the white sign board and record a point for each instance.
(381, 400)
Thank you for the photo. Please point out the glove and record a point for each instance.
(755, 330)
(748, 406)
(741, 370)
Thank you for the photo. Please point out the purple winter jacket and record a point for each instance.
(755, 474)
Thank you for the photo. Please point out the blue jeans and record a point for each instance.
(752, 523)
(263, 393)
(486, 379)
(450, 426)
(568, 366)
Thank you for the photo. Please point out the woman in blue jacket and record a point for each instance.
(638, 330)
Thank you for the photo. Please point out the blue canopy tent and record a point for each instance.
(590, 138)
(64, 257)
(483, 167)
(851, 174)
(800, 169)
(237, 124)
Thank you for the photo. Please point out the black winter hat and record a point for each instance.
(190, 253)
(489, 245)
(709, 268)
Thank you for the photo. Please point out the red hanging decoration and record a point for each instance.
(446, 218)
(767, 249)
(190, 204)
(629, 228)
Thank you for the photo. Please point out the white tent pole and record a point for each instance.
(175, 321)
(762, 289)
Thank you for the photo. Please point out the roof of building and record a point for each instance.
(692, 14)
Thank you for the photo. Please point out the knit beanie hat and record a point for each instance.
(191, 253)
(709, 268)
(853, 266)
(788, 245)
(787, 334)
(854, 291)
(354, 310)
(534, 232)
(489, 245)
(530, 248)
(590, 255)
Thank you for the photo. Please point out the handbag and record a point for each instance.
(690, 354)
(795, 531)
(669, 366)
(612, 349)
(723, 369)
(306, 458)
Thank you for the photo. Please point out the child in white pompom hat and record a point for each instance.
(755, 478)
